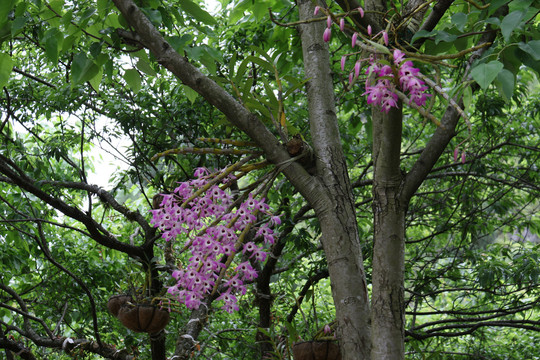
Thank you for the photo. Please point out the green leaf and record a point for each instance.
(198, 13)
(52, 40)
(5, 8)
(103, 7)
(57, 5)
(194, 52)
(96, 80)
(444, 36)
(82, 69)
(153, 15)
(494, 5)
(6, 65)
(484, 74)
(133, 79)
(190, 93)
(423, 34)
(459, 20)
(145, 67)
(507, 82)
(264, 64)
(178, 42)
(510, 22)
(294, 87)
(532, 48)
(17, 24)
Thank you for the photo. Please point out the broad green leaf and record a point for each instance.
(153, 15)
(484, 74)
(215, 54)
(96, 80)
(260, 10)
(532, 48)
(507, 83)
(198, 13)
(190, 93)
(178, 42)
(82, 69)
(422, 34)
(237, 12)
(18, 23)
(52, 40)
(133, 79)
(493, 21)
(103, 7)
(57, 5)
(194, 52)
(5, 8)
(510, 22)
(67, 18)
(145, 67)
(209, 63)
(459, 20)
(6, 65)
(494, 5)
(444, 36)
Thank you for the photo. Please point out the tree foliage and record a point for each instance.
(413, 232)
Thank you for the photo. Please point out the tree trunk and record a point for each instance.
(387, 313)
(335, 206)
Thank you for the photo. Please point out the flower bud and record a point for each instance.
(354, 37)
(357, 69)
(327, 34)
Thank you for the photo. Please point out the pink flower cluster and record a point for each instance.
(211, 231)
(383, 94)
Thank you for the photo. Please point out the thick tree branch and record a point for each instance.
(335, 206)
(106, 198)
(98, 233)
(434, 17)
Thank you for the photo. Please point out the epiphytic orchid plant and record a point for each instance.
(390, 75)
(214, 228)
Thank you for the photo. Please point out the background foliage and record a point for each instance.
(73, 85)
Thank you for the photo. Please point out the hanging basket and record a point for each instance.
(116, 302)
(316, 350)
(143, 318)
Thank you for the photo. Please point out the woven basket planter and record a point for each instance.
(116, 302)
(316, 350)
(143, 318)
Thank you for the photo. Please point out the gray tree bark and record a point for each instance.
(387, 313)
(336, 214)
